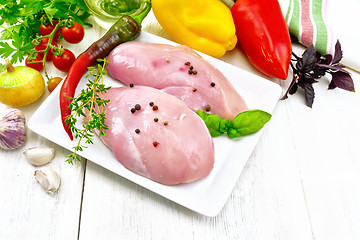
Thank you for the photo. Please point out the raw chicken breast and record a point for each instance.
(164, 140)
(179, 71)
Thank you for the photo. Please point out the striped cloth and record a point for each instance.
(323, 22)
(307, 21)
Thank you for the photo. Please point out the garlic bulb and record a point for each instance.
(39, 156)
(12, 129)
(48, 179)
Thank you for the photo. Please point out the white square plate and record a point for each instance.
(207, 196)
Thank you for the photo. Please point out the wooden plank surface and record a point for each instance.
(27, 211)
(326, 139)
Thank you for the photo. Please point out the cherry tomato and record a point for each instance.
(53, 82)
(48, 28)
(42, 46)
(30, 62)
(73, 34)
(64, 62)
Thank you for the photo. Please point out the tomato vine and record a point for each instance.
(21, 21)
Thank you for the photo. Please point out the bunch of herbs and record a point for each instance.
(311, 66)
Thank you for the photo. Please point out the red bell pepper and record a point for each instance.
(263, 35)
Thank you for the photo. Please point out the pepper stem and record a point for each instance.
(142, 12)
(228, 3)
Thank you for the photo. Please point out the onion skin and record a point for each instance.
(12, 129)
(20, 86)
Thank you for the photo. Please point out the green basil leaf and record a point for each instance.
(225, 125)
(212, 122)
(232, 133)
(202, 114)
(250, 121)
(244, 123)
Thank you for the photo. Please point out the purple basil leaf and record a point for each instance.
(328, 59)
(309, 59)
(307, 79)
(318, 72)
(293, 89)
(338, 53)
(331, 85)
(343, 81)
(309, 94)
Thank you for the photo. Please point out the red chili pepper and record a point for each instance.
(263, 35)
(125, 29)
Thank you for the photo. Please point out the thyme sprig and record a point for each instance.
(89, 104)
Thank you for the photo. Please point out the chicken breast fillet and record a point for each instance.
(179, 71)
(157, 136)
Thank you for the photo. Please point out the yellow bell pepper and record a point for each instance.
(204, 25)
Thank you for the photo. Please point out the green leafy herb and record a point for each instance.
(244, 123)
(312, 66)
(90, 105)
(24, 19)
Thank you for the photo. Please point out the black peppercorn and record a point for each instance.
(208, 108)
(137, 107)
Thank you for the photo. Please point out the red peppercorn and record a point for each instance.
(155, 143)
(155, 108)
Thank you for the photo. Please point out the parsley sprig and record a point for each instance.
(90, 105)
(23, 19)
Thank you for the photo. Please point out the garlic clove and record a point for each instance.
(12, 129)
(48, 179)
(39, 156)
